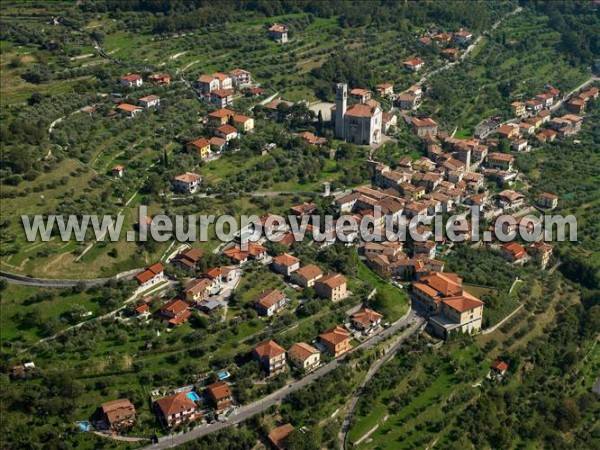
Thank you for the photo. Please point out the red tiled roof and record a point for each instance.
(220, 113)
(219, 390)
(309, 272)
(227, 129)
(278, 435)
(174, 404)
(269, 349)
(188, 177)
(500, 365)
(200, 143)
(333, 280)
(463, 303)
(175, 306)
(266, 299)
(301, 351)
(286, 260)
(335, 335)
(127, 107)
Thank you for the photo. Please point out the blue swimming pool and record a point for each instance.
(223, 375)
(193, 396)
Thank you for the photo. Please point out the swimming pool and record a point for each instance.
(193, 396)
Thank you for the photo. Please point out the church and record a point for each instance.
(359, 123)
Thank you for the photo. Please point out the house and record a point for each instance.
(450, 53)
(312, 139)
(544, 115)
(518, 109)
(499, 368)
(131, 80)
(225, 81)
(462, 37)
(217, 144)
(430, 290)
(227, 132)
(160, 78)
(176, 410)
(243, 123)
(271, 357)
(541, 252)
(513, 252)
(462, 313)
(220, 116)
(534, 105)
(175, 311)
(424, 41)
(332, 287)
(187, 183)
(304, 356)
(388, 120)
(526, 128)
(424, 127)
(442, 38)
(576, 106)
(221, 275)
(360, 95)
(151, 276)
(201, 146)
(208, 84)
(306, 276)
(336, 341)
(189, 258)
(279, 33)
(285, 264)
(116, 415)
(501, 161)
(198, 289)
(365, 320)
(508, 131)
(142, 311)
(149, 101)
(548, 201)
(118, 171)
(427, 248)
(220, 395)
(359, 123)
(509, 199)
(278, 435)
(546, 98)
(253, 251)
(546, 135)
(270, 302)
(221, 97)
(519, 145)
(385, 90)
(129, 110)
(414, 64)
(241, 78)
(303, 209)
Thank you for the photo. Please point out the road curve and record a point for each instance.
(250, 410)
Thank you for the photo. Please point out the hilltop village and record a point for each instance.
(250, 323)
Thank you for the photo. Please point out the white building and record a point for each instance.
(360, 124)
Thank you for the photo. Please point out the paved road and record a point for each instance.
(245, 412)
(60, 283)
(390, 352)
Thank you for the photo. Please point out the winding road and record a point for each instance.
(252, 409)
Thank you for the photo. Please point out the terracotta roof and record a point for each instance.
(118, 167)
(500, 365)
(217, 141)
(240, 118)
(515, 249)
(286, 260)
(413, 62)
(361, 110)
(463, 303)
(333, 280)
(219, 390)
(222, 93)
(269, 349)
(304, 208)
(200, 143)
(266, 299)
(175, 306)
(142, 308)
(366, 317)
(278, 435)
(131, 77)
(118, 410)
(149, 98)
(188, 177)
(205, 78)
(359, 92)
(309, 272)
(227, 129)
(446, 284)
(174, 404)
(427, 122)
(150, 273)
(236, 72)
(127, 107)
(278, 28)
(301, 351)
(198, 285)
(501, 157)
(335, 335)
(220, 76)
(220, 113)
